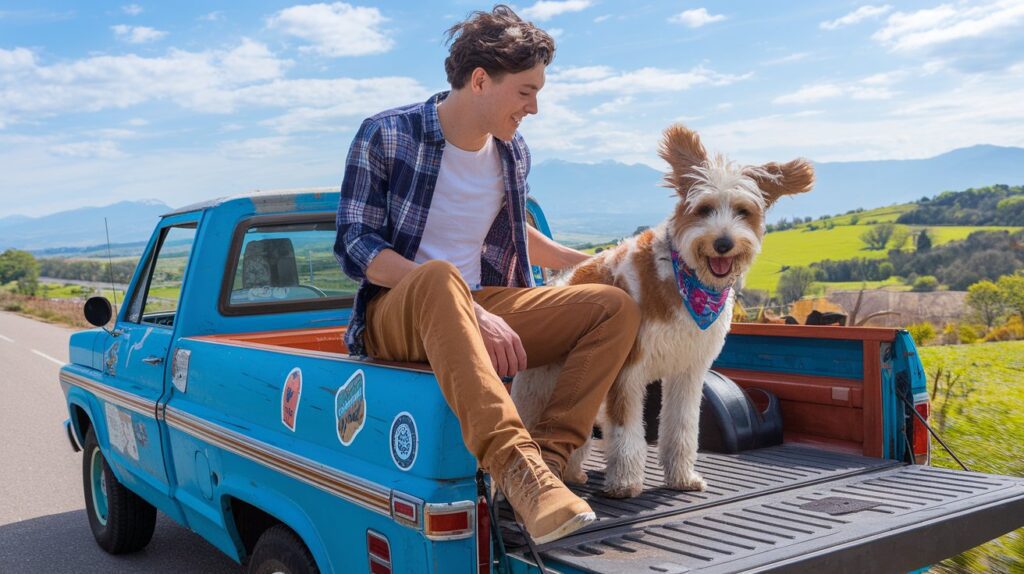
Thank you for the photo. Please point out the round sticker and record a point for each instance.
(404, 441)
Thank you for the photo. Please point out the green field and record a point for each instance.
(985, 429)
(796, 247)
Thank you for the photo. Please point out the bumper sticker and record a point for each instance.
(290, 395)
(120, 431)
(404, 441)
(350, 408)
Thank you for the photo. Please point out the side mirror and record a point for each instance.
(98, 311)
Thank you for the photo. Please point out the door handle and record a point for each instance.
(154, 360)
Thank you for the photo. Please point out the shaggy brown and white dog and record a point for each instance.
(681, 273)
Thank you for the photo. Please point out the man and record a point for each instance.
(432, 220)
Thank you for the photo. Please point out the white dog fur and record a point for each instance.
(716, 199)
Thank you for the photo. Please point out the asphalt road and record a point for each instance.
(43, 526)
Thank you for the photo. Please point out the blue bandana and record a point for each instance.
(704, 303)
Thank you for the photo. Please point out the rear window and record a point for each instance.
(285, 266)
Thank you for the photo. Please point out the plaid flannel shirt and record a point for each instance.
(389, 180)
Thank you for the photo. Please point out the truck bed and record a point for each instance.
(788, 508)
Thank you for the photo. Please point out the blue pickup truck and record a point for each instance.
(223, 396)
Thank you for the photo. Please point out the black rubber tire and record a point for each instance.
(281, 550)
(130, 519)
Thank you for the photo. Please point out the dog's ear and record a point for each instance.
(779, 179)
(682, 149)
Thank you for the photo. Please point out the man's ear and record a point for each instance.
(682, 149)
(777, 180)
(477, 79)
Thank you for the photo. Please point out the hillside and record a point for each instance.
(129, 221)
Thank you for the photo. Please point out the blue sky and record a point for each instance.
(184, 101)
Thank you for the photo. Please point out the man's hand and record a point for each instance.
(503, 344)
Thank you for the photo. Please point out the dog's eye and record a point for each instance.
(704, 210)
(742, 212)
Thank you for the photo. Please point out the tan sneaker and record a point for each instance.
(546, 507)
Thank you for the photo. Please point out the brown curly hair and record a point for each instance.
(498, 41)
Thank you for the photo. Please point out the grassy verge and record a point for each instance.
(63, 311)
(984, 425)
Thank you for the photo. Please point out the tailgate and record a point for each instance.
(861, 515)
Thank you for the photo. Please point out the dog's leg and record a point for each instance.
(574, 472)
(625, 445)
(531, 392)
(677, 433)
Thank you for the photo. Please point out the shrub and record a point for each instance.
(885, 270)
(1012, 330)
(921, 332)
(986, 300)
(968, 334)
(878, 236)
(925, 283)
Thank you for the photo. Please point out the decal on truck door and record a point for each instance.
(290, 395)
(350, 408)
(404, 441)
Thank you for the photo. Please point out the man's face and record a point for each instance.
(510, 98)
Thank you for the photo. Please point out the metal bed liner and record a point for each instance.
(788, 508)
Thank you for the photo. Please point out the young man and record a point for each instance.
(432, 220)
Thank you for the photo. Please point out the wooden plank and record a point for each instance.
(815, 331)
(873, 431)
(801, 388)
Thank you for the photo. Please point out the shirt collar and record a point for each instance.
(431, 124)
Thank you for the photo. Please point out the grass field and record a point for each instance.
(985, 429)
(800, 247)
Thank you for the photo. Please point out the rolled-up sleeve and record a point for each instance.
(363, 207)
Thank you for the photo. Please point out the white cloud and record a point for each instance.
(580, 73)
(613, 106)
(795, 57)
(858, 15)
(336, 29)
(602, 18)
(255, 147)
(874, 87)
(548, 9)
(137, 34)
(101, 149)
(212, 16)
(696, 18)
(132, 9)
(599, 80)
(137, 122)
(909, 31)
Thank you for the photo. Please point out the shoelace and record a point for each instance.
(532, 479)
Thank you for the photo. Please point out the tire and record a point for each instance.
(120, 520)
(279, 550)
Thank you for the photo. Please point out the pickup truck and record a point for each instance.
(224, 397)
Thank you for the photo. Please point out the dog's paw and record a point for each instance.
(623, 491)
(575, 476)
(690, 482)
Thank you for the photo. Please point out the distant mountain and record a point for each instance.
(613, 199)
(130, 221)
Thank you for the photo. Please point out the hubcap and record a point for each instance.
(99, 486)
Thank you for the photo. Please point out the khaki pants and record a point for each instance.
(429, 317)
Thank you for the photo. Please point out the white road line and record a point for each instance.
(8, 339)
(48, 357)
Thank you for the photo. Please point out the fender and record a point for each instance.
(280, 507)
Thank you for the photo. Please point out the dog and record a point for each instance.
(682, 274)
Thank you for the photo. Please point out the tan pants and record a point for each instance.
(429, 317)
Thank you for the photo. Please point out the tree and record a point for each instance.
(878, 236)
(794, 283)
(1012, 289)
(20, 266)
(924, 241)
(925, 284)
(985, 298)
(901, 234)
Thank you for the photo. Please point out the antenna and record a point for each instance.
(110, 266)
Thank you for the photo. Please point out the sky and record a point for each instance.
(180, 102)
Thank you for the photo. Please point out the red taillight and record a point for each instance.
(483, 537)
(449, 521)
(922, 444)
(379, 550)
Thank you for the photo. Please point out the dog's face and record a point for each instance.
(719, 221)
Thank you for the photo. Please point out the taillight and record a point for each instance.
(483, 537)
(406, 509)
(922, 444)
(379, 550)
(449, 521)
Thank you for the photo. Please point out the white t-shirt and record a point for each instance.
(469, 193)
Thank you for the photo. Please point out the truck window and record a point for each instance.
(157, 301)
(286, 266)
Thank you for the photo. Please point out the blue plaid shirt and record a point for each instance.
(389, 180)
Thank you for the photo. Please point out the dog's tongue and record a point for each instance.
(720, 265)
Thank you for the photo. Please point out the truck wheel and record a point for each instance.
(280, 551)
(121, 522)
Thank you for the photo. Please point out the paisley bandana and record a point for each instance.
(704, 303)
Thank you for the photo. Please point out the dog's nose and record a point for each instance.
(723, 244)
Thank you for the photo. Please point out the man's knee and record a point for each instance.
(619, 305)
(436, 277)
